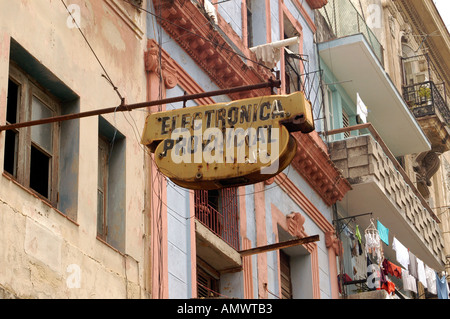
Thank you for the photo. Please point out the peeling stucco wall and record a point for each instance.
(43, 254)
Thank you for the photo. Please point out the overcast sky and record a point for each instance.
(444, 9)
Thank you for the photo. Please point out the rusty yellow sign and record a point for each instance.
(228, 144)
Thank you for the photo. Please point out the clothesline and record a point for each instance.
(414, 269)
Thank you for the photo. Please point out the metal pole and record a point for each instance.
(338, 220)
(128, 107)
(278, 246)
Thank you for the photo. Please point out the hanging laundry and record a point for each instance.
(392, 269)
(401, 253)
(441, 287)
(409, 283)
(431, 280)
(348, 232)
(373, 243)
(389, 286)
(384, 232)
(358, 236)
(268, 54)
(421, 272)
(345, 278)
(354, 248)
(413, 265)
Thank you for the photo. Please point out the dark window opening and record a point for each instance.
(10, 161)
(249, 24)
(13, 97)
(39, 171)
(11, 137)
(345, 123)
(285, 269)
(207, 285)
(293, 72)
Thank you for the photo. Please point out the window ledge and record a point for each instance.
(113, 248)
(37, 196)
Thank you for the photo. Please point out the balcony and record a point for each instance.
(344, 20)
(217, 228)
(380, 186)
(354, 56)
(428, 103)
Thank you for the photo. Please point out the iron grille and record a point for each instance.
(218, 210)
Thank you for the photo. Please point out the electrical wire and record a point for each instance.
(105, 75)
(158, 174)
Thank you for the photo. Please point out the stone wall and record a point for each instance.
(361, 159)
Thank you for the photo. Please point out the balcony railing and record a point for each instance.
(424, 98)
(391, 157)
(366, 161)
(219, 212)
(344, 20)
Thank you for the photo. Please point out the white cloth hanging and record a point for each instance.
(421, 272)
(409, 282)
(401, 253)
(430, 274)
(268, 54)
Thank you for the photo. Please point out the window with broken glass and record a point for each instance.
(31, 153)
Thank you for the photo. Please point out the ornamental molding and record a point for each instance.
(295, 222)
(152, 65)
(201, 40)
(427, 165)
(316, 4)
(172, 73)
(420, 16)
(313, 163)
(331, 241)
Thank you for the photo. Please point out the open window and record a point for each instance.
(292, 60)
(31, 153)
(42, 158)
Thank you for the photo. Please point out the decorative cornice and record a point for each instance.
(190, 28)
(316, 4)
(332, 241)
(316, 167)
(295, 222)
(172, 73)
(424, 19)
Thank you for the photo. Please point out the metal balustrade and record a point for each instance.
(344, 20)
(425, 98)
(219, 212)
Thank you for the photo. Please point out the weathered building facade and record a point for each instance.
(384, 55)
(86, 213)
(73, 193)
(203, 250)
